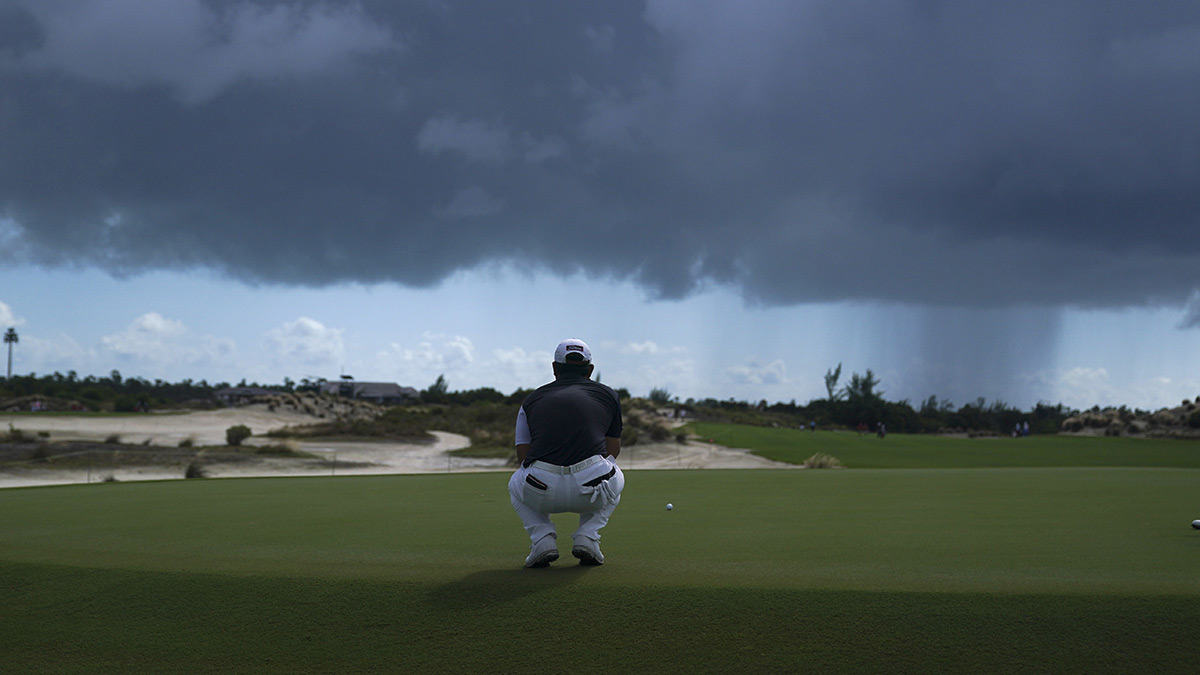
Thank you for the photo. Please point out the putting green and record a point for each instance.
(915, 570)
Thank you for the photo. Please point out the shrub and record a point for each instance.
(821, 460)
(629, 436)
(126, 403)
(113, 439)
(187, 442)
(284, 449)
(236, 434)
(1194, 420)
(15, 435)
(681, 438)
(658, 434)
(194, 470)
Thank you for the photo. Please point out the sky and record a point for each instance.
(726, 199)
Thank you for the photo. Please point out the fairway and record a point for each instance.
(1022, 569)
(910, 451)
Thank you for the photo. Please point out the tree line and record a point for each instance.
(858, 401)
(108, 393)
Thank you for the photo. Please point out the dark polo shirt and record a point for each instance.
(569, 419)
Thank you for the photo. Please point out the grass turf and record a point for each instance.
(908, 451)
(1004, 570)
(90, 620)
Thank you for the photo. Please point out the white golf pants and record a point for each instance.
(541, 489)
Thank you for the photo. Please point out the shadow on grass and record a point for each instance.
(487, 588)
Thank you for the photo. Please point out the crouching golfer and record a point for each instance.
(568, 436)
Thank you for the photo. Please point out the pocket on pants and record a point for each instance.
(535, 493)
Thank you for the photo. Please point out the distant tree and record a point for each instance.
(660, 396)
(862, 387)
(437, 392)
(936, 406)
(831, 380)
(440, 385)
(10, 339)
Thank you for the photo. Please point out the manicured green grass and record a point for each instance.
(998, 570)
(87, 620)
(927, 451)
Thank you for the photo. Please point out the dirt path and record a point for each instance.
(332, 458)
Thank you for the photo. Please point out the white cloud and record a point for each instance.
(756, 374)
(196, 50)
(521, 358)
(527, 369)
(306, 342)
(435, 354)
(58, 353)
(8, 319)
(148, 337)
(1083, 387)
(1086, 384)
(156, 342)
(648, 348)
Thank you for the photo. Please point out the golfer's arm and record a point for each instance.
(612, 446)
(523, 451)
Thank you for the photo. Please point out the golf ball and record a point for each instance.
(1195, 523)
(671, 506)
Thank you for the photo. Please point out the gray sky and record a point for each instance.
(976, 158)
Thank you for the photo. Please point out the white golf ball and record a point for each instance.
(1195, 523)
(671, 506)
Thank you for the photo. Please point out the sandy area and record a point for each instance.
(340, 458)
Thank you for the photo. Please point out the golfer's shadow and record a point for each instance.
(491, 587)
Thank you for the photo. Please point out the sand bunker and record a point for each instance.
(331, 458)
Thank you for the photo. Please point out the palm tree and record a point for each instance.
(10, 339)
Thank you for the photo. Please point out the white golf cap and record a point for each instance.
(573, 347)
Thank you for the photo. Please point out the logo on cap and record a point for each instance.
(577, 349)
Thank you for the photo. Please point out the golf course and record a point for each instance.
(925, 554)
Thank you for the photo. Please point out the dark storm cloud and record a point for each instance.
(941, 153)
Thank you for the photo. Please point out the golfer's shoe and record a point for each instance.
(588, 552)
(544, 552)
